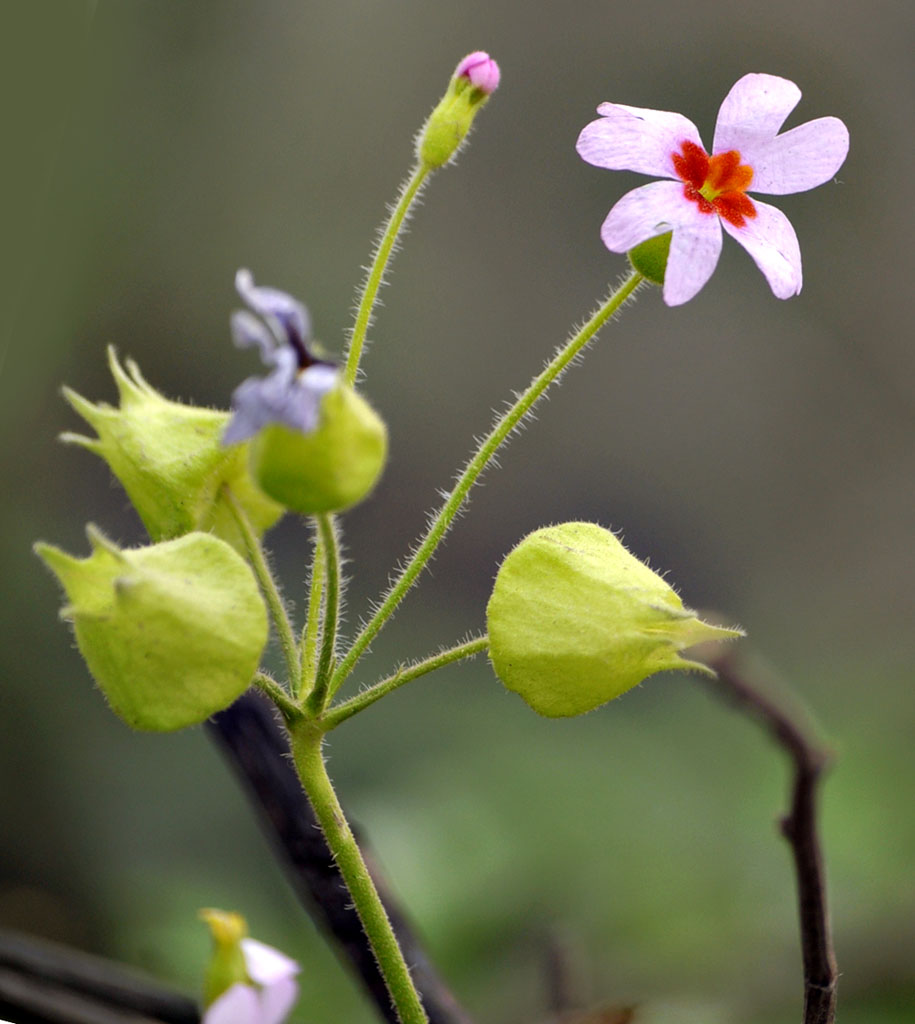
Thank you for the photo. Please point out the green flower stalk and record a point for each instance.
(172, 633)
(575, 620)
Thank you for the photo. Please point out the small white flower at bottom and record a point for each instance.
(269, 1000)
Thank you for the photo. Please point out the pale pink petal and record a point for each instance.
(266, 964)
(645, 212)
(770, 239)
(635, 139)
(694, 251)
(276, 1000)
(753, 111)
(237, 1005)
(800, 159)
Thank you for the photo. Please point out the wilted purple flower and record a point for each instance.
(705, 192)
(291, 393)
(268, 1000)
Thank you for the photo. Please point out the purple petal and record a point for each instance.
(753, 111)
(265, 964)
(799, 159)
(277, 999)
(770, 239)
(645, 212)
(288, 398)
(694, 251)
(238, 1005)
(272, 304)
(249, 332)
(635, 139)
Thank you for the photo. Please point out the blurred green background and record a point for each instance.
(759, 451)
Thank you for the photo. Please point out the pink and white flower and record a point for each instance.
(268, 1000)
(706, 192)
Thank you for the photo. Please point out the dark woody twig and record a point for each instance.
(745, 686)
(256, 747)
(44, 983)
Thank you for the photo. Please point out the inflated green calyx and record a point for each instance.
(650, 258)
(329, 469)
(169, 459)
(575, 620)
(171, 633)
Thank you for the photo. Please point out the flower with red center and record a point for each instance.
(704, 193)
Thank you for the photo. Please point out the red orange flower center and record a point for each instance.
(717, 184)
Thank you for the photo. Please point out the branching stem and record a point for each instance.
(269, 589)
(331, 547)
(740, 684)
(354, 705)
(488, 447)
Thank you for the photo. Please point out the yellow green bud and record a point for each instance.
(474, 80)
(171, 633)
(227, 963)
(329, 468)
(169, 459)
(575, 620)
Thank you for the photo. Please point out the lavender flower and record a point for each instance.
(291, 393)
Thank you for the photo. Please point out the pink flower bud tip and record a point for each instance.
(482, 71)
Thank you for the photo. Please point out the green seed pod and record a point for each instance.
(329, 469)
(169, 459)
(575, 620)
(649, 258)
(171, 633)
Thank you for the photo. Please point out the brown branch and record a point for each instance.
(256, 747)
(745, 686)
(45, 983)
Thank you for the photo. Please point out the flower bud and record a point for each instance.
(473, 82)
(169, 459)
(227, 963)
(171, 633)
(328, 469)
(575, 620)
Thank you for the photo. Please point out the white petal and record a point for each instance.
(753, 111)
(800, 159)
(238, 1005)
(277, 1000)
(645, 212)
(694, 251)
(635, 139)
(266, 964)
(770, 239)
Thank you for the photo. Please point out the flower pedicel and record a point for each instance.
(705, 193)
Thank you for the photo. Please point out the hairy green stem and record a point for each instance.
(309, 762)
(488, 447)
(354, 705)
(269, 589)
(409, 192)
(328, 532)
(312, 628)
(272, 689)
